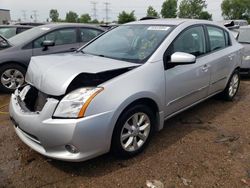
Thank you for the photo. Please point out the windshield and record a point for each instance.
(28, 35)
(244, 36)
(8, 32)
(132, 43)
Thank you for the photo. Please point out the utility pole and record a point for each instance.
(24, 15)
(107, 11)
(35, 15)
(94, 9)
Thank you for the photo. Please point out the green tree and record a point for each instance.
(236, 9)
(85, 18)
(54, 15)
(193, 9)
(71, 17)
(152, 12)
(205, 15)
(95, 21)
(169, 9)
(125, 17)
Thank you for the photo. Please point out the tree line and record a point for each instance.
(194, 9)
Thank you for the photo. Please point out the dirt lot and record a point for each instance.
(207, 146)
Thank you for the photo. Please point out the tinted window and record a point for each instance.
(87, 34)
(20, 30)
(60, 37)
(216, 38)
(191, 41)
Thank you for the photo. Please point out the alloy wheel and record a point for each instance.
(234, 84)
(12, 78)
(135, 132)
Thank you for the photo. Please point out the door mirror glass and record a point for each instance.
(180, 58)
(3, 43)
(48, 43)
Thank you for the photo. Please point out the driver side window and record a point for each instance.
(60, 37)
(191, 41)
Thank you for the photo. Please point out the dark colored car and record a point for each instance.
(34, 24)
(16, 52)
(9, 31)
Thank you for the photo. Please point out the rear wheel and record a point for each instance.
(12, 77)
(232, 87)
(133, 131)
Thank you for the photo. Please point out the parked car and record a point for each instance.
(34, 24)
(41, 40)
(9, 31)
(118, 89)
(244, 39)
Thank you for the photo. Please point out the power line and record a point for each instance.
(107, 11)
(35, 15)
(24, 15)
(94, 9)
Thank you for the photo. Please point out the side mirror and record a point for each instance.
(4, 43)
(181, 58)
(47, 43)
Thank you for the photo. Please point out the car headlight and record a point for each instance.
(74, 104)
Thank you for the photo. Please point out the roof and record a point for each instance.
(61, 25)
(15, 26)
(4, 9)
(174, 21)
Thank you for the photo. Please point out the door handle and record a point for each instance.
(231, 57)
(72, 49)
(205, 68)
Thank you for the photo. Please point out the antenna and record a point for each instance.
(107, 11)
(94, 10)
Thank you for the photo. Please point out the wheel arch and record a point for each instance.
(13, 62)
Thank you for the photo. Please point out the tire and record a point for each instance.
(232, 87)
(126, 133)
(11, 77)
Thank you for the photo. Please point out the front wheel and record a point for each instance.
(133, 131)
(12, 77)
(232, 87)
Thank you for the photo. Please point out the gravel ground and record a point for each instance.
(206, 146)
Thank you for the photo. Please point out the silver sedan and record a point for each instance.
(113, 93)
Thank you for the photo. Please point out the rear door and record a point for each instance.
(221, 58)
(187, 84)
(65, 41)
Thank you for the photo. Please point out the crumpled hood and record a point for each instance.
(53, 74)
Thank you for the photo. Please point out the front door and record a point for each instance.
(65, 41)
(187, 84)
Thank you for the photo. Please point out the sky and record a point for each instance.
(42, 7)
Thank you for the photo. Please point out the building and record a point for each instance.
(4, 16)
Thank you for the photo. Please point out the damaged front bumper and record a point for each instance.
(50, 137)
